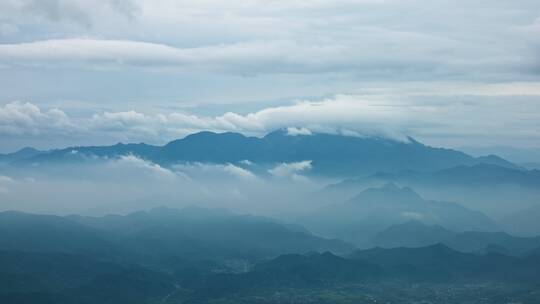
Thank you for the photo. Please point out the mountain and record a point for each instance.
(210, 233)
(474, 241)
(333, 155)
(376, 209)
(159, 236)
(514, 154)
(24, 153)
(489, 188)
(49, 271)
(498, 161)
(47, 233)
(32, 277)
(417, 234)
(313, 270)
(530, 166)
(439, 262)
(470, 176)
(136, 258)
(412, 234)
(376, 274)
(481, 174)
(307, 274)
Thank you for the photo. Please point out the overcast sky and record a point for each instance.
(449, 73)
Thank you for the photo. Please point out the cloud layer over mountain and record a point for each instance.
(434, 122)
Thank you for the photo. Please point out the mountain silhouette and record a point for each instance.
(333, 155)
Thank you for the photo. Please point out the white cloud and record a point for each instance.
(214, 171)
(147, 167)
(435, 40)
(84, 13)
(298, 131)
(246, 162)
(437, 121)
(251, 57)
(18, 118)
(291, 170)
(238, 172)
(435, 57)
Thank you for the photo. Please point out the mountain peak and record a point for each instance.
(27, 150)
(24, 152)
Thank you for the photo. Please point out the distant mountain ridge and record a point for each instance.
(418, 234)
(331, 154)
(173, 256)
(375, 209)
(476, 175)
(161, 233)
(62, 278)
(24, 153)
(436, 263)
(495, 190)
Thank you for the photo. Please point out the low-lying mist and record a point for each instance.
(129, 183)
(288, 191)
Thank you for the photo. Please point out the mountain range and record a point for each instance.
(376, 274)
(418, 234)
(331, 155)
(160, 235)
(196, 255)
(375, 209)
(493, 189)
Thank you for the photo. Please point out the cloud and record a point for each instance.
(298, 131)
(362, 39)
(129, 183)
(18, 118)
(238, 172)
(119, 169)
(291, 170)
(439, 120)
(80, 12)
(437, 56)
(214, 171)
(247, 57)
(132, 161)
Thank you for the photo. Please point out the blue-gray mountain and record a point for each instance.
(159, 235)
(375, 209)
(332, 155)
(418, 234)
(196, 255)
(497, 191)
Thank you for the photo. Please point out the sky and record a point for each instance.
(448, 73)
